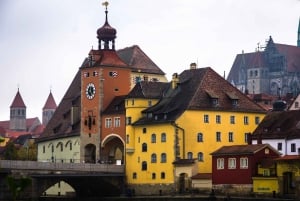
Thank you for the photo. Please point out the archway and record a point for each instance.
(184, 184)
(61, 188)
(90, 153)
(112, 150)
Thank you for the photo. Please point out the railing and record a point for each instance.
(78, 167)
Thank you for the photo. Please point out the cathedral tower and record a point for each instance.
(17, 114)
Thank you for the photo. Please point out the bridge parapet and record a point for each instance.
(50, 166)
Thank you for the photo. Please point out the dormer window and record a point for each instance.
(234, 102)
(149, 115)
(155, 117)
(215, 101)
(214, 98)
(234, 98)
(165, 116)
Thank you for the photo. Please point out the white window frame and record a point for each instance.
(108, 122)
(244, 163)
(220, 163)
(231, 163)
(117, 121)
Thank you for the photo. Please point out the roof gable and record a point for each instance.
(18, 101)
(50, 102)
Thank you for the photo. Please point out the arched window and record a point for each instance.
(144, 147)
(163, 137)
(134, 176)
(60, 145)
(190, 155)
(127, 139)
(200, 156)
(153, 175)
(163, 158)
(144, 165)
(162, 175)
(153, 138)
(199, 137)
(153, 158)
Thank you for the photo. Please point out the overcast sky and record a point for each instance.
(43, 42)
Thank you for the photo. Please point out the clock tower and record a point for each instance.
(103, 77)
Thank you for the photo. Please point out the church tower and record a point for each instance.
(48, 109)
(17, 114)
(103, 77)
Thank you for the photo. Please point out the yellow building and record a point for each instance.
(169, 142)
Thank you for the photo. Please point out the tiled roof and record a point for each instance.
(289, 158)
(116, 106)
(150, 90)
(202, 176)
(184, 162)
(59, 125)
(192, 94)
(241, 149)
(138, 60)
(18, 101)
(279, 125)
(50, 102)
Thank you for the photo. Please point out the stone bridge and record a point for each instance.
(87, 179)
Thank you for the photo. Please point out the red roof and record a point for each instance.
(18, 101)
(289, 157)
(50, 102)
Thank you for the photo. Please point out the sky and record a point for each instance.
(43, 43)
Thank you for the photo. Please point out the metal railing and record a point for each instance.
(78, 167)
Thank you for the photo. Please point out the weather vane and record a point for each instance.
(105, 3)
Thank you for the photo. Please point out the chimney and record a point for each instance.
(193, 66)
(175, 80)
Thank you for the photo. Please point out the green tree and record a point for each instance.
(10, 152)
(17, 186)
(28, 152)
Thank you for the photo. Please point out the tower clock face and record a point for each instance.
(90, 91)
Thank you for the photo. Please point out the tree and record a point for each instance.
(28, 152)
(17, 186)
(10, 152)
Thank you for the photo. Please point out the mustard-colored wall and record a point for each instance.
(59, 156)
(142, 75)
(193, 123)
(288, 166)
(265, 185)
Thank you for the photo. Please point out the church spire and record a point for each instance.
(48, 109)
(298, 41)
(18, 114)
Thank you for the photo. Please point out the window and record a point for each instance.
(218, 136)
(153, 175)
(144, 130)
(134, 176)
(190, 155)
(244, 163)
(246, 120)
(153, 158)
(279, 146)
(199, 137)
(230, 136)
(144, 147)
(246, 137)
(296, 104)
(144, 165)
(132, 102)
(200, 156)
(218, 119)
(257, 120)
(231, 163)
(206, 118)
(163, 137)
(108, 123)
(163, 158)
(266, 172)
(44, 149)
(162, 175)
(128, 120)
(117, 122)
(234, 102)
(153, 138)
(220, 163)
(215, 101)
(293, 147)
(232, 119)
(149, 103)
(127, 139)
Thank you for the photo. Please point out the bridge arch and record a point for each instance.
(112, 149)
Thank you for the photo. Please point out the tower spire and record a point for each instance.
(298, 41)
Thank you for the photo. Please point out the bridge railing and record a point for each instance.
(84, 167)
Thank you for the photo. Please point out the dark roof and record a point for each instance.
(152, 90)
(184, 162)
(18, 101)
(279, 125)
(138, 60)
(50, 102)
(59, 125)
(194, 92)
(241, 149)
(116, 106)
(202, 176)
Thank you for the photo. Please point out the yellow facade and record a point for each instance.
(181, 138)
(265, 185)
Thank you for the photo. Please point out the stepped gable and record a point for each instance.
(60, 123)
(139, 62)
(50, 102)
(116, 106)
(146, 89)
(279, 125)
(241, 149)
(18, 101)
(194, 91)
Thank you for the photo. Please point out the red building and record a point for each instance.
(237, 164)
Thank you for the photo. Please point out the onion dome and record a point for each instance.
(106, 33)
